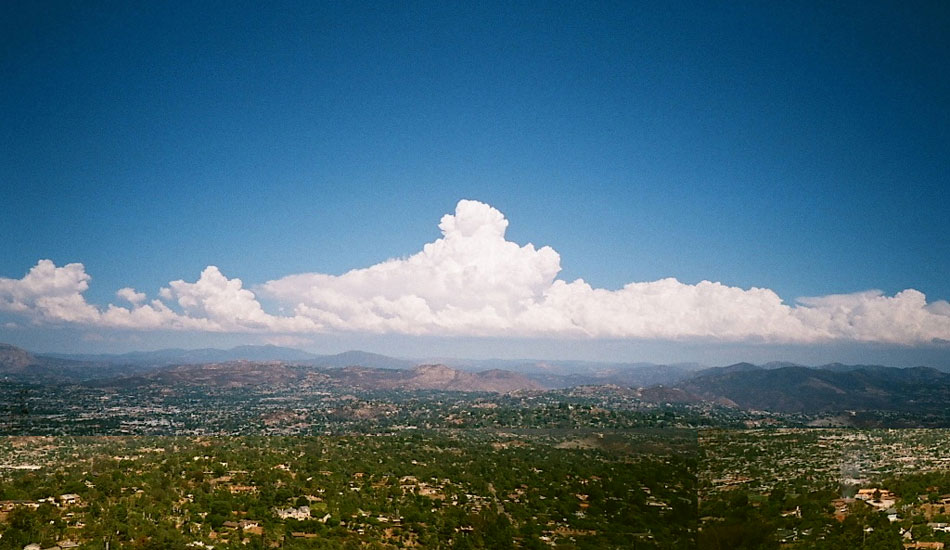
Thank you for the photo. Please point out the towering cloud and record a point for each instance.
(472, 281)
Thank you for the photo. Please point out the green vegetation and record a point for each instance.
(324, 466)
(432, 490)
(823, 488)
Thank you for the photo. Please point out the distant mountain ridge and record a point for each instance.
(433, 377)
(361, 358)
(174, 356)
(276, 373)
(775, 386)
(797, 389)
(570, 373)
(20, 365)
(548, 374)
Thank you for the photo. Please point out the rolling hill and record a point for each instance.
(796, 389)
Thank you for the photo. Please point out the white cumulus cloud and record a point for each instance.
(471, 281)
(49, 293)
(129, 294)
(226, 304)
(474, 282)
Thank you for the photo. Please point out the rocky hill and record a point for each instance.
(442, 377)
(14, 359)
(22, 366)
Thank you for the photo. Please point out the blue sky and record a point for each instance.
(802, 148)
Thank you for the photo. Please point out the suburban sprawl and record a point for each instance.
(275, 454)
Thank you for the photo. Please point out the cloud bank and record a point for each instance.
(474, 282)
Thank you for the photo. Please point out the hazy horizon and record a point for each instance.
(935, 358)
